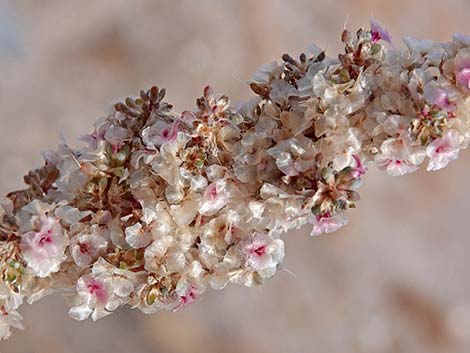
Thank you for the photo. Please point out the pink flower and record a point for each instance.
(443, 150)
(86, 248)
(262, 252)
(327, 223)
(169, 133)
(93, 290)
(462, 71)
(215, 197)
(441, 97)
(95, 294)
(378, 32)
(396, 167)
(190, 287)
(189, 295)
(43, 250)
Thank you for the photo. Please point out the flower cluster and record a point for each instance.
(157, 207)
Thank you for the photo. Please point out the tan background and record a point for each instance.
(395, 280)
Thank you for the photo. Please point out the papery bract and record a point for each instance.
(327, 224)
(262, 252)
(214, 198)
(43, 249)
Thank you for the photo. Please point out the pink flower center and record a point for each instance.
(84, 248)
(375, 36)
(171, 133)
(188, 298)
(45, 238)
(97, 289)
(440, 149)
(211, 192)
(260, 250)
(323, 216)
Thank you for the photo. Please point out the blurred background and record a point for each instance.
(395, 280)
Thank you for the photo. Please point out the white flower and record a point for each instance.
(281, 92)
(166, 164)
(164, 224)
(94, 293)
(103, 291)
(86, 248)
(115, 135)
(184, 213)
(293, 156)
(163, 256)
(215, 197)
(398, 157)
(160, 133)
(137, 237)
(253, 164)
(43, 250)
(263, 253)
(443, 150)
(70, 215)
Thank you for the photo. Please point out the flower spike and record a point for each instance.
(157, 207)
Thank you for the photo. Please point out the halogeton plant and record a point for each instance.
(157, 207)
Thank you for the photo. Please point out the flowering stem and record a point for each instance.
(156, 207)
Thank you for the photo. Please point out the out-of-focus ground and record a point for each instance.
(395, 280)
